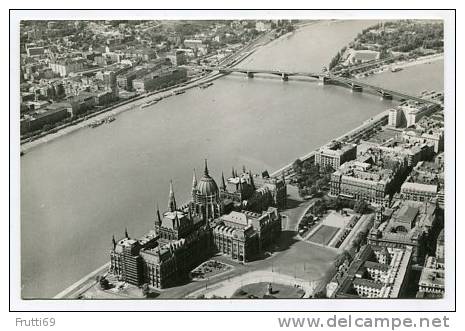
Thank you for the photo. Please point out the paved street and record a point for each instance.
(291, 257)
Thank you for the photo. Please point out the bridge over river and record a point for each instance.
(325, 78)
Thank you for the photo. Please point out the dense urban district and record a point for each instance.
(360, 217)
(71, 71)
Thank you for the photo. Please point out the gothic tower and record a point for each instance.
(171, 199)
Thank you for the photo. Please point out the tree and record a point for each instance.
(47, 127)
(313, 190)
(361, 206)
(319, 207)
(104, 283)
(297, 165)
(335, 203)
(341, 258)
(360, 239)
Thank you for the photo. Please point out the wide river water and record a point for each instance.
(80, 189)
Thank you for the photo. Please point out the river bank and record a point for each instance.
(81, 189)
(118, 109)
(90, 279)
(82, 285)
(350, 136)
(234, 60)
(243, 54)
(75, 290)
(402, 64)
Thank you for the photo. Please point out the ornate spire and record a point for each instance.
(205, 172)
(251, 180)
(223, 183)
(194, 180)
(176, 219)
(113, 241)
(158, 215)
(232, 173)
(126, 233)
(172, 199)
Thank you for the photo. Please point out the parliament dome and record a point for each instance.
(207, 185)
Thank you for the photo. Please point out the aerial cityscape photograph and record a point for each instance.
(232, 159)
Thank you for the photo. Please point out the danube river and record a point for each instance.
(80, 189)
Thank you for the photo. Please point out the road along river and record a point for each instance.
(80, 189)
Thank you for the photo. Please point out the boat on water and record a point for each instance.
(178, 92)
(396, 69)
(94, 124)
(206, 85)
(110, 119)
(149, 103)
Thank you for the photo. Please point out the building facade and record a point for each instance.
(185, 236)
(242, 235)
(335, 154)
(373, 177)
(375, 272)
(404, 224)
(159, 79)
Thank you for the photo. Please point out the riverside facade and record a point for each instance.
(184, 236)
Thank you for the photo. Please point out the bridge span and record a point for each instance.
(325, 78)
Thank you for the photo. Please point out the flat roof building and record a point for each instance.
(375, 272)
(405, 224)
(335, 154)
(373, 176)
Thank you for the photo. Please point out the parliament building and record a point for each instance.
(238, 219)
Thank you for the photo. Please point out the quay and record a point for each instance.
(350, 136)
(231, 60)
(73, 291)
(85, 283)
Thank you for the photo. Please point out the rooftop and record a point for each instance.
(236, 217)
(336, 148)
(414, 186)
(432, 278)
(407, 214)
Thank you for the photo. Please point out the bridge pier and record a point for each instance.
(356, 88)
(284, 77)
(324, 79)
(386, 96)
(249, 74)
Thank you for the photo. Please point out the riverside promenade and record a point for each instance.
(231, 60)
(293, 253)
(83, 284)
(75, 290)
(115, 110)
(350, 136)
